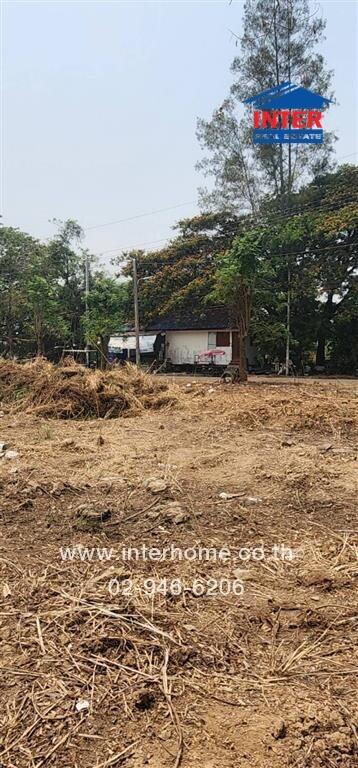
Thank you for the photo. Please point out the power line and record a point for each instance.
(131, 247)
(272, 218)
(162, 210)
(139, 216)
(342, 157)
(297, 211)
(301, 210)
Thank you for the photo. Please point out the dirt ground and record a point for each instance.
(241, 654)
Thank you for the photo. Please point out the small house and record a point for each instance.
(202, 339)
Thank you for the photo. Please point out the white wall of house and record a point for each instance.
(184, 346)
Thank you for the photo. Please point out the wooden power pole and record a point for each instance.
(87, 278)
(136, 312)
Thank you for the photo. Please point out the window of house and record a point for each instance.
(211, 340)
(223, 339)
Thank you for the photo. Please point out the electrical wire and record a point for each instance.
(139, 216)
(265, 221)
(162, 210)
(312, 252)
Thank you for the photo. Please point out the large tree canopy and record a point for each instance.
(41, 290)
(181, 275)
(203, 266)
(18, 252)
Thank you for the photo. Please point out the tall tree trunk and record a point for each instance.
(328, 312)
(242, 315)
(277, 68)
(321, 348)
(10, 326)
(289, 177)
(104, 352)
(288, 320)
(235, 350)
(242, 358)
(39, 335)
(238, 356)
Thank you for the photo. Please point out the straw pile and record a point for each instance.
(17, 379)
(71, 391)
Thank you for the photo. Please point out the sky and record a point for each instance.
(99, 109)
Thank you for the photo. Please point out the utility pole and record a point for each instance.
(86, 304)
(136, 312)
(288, 321)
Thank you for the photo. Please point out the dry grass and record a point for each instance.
(134, 657)
(71, 391)
(180, 680)
(299, 406)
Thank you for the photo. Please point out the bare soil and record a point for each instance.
(207, 678)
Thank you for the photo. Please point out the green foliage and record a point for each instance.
(66, 265)
(41, 290)
(63, 257)
(107, 302)
(215, 256)
(320, 247)
(17, 253)
(235, 284)
(344, 337)
(45, 312)
(180, 277)
(238, 267)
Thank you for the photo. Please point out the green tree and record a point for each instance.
(314, 255)
(344, 337)
(235, 285)
(107, 302)
(41, 289)
(66, 263)
(45, 312)
(180, 276)
(335, 250)
(300, 256)
(17, 252)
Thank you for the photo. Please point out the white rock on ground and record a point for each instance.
(11, 455)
